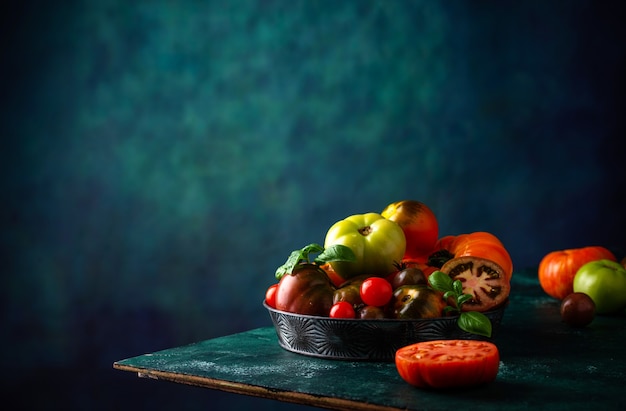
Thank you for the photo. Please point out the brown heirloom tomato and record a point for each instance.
(483, 279)
(420, 226)
(307, 290)
(350, 291)
(415, 301)
(558, 268)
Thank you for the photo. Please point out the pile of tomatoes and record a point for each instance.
(586, 280)
(394, 254)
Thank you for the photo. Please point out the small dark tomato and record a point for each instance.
(370, 312)
(350, 293)
(415, 301)
(408, 276)
(578, 310)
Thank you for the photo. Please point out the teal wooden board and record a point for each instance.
(545, 364)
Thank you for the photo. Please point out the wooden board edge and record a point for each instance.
(332, 403)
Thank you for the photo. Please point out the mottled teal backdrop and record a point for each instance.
(160, 159)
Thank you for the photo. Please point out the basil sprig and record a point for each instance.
(470, 321)
(337, 252)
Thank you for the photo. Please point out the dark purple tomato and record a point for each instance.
(370, 312)
(408, 276)
(578, 310)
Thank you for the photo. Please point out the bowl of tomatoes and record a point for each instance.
(370, 318)
(362, 339)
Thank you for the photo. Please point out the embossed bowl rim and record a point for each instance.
(499, 309)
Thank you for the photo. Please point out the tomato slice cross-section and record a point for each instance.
(448, 363)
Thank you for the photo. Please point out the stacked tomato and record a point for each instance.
(394, 254)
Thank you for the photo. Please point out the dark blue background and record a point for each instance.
(160, 159)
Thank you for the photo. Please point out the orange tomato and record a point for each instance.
(477, 244)
(335, 278)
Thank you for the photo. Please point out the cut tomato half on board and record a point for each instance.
(448, 363)
(483, 279)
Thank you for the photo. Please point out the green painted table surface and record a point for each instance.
(544, 364)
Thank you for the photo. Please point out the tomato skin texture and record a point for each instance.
(349, 293)
(605, 282)
(448, 363)
(419, 224)
(376, 291)
(270, 295)
(577, 310)
(377, 243)
(558, 268)
(424, 267)
(342, 309)
(415, 302)
(307, 290)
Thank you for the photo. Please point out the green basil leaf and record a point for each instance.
(294, 258)
(440, 281)
(458, 287)
(463, 299)
(449, 308)
(449, 294)
(336, 252)
(475, 322)
(311, 248)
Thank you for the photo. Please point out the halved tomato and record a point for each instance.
(482, 278)
(476, 244)
(448, 363)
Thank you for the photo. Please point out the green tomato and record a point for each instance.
(605, 282)
(377, 243)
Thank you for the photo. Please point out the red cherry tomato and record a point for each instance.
(448, 363)
(376, 291)
(270, 295)
(342, 309)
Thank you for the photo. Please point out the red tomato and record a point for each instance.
(558, 268)
(342, 309)
(270, 295)
(420, 226)
(448, 363)
(376, 291)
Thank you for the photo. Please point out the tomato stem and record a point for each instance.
(365, 230)
(439, 258)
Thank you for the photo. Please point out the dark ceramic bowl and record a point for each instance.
(365, 340)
